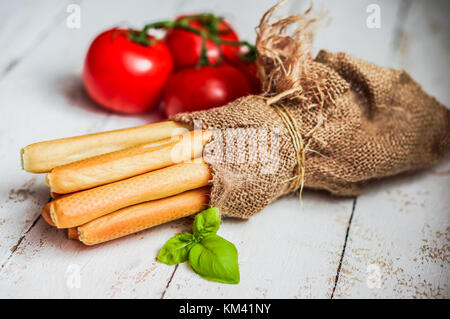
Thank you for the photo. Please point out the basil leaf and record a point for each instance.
(216, 259)
(206, 222)
(176, 249)
(210, 256)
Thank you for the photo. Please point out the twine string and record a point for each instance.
(290, 123)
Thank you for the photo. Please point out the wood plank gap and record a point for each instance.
(169, 282)
(39, 40)
(19, 241)
(14, 248)
(343, 248)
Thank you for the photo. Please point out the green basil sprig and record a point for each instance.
(210, 256)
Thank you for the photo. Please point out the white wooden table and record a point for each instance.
(393, 241)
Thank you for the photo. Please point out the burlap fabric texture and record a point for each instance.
(358, 122)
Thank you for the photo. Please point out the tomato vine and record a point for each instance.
(211, 32)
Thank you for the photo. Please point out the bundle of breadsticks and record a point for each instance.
(333, 123)
(99, 195)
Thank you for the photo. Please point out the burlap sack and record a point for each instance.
(357, 121)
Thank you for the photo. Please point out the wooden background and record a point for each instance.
(391, 242)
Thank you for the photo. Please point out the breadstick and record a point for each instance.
(112, 167)
(81, 207)
(138, 217)
(54, 195)
(72, 233)
(45, 213)
(44, 156)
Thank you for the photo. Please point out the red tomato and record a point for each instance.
(124, 76)
(186, 46)
(199, 89)
(250, 71)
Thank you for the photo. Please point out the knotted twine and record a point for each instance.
(297, 140)
(340, 122)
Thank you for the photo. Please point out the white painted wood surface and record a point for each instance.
(399, 227)
(400, 230)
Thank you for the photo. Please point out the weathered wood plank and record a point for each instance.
(284, 252)
(347, 30)
(398, 244)
(48, 265)
(24, 25)
(423, 47)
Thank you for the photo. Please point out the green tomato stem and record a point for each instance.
(212, 33)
